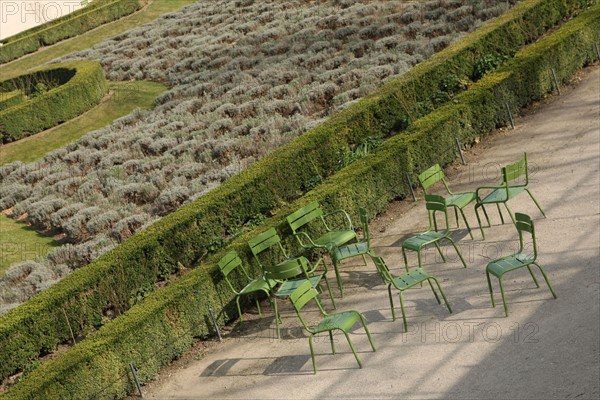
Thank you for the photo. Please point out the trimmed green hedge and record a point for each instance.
(159, 329)
(266, 188)
(97, 13)
(9, 99)
(75, 88)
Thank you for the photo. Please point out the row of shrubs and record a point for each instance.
(154, 332)
(57, 93)
(97, 13)
(107, 286)
(9, 99)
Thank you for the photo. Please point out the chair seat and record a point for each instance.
(411, 278)
(416, 242)
(343, 320)
(460, 200)
(287, 287)
(333, 239)
(499, 195)
(258, 285)
(500, 266)
(351, 250)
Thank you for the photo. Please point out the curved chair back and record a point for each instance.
(229, 263)
(524, 223)
(266, 241)
(301, 296)
(364, 221)
(303, 216)
(288, 269)
(382, 269)
(435, 203)
(431, 176)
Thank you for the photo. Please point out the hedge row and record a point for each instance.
(109, 284)
(9, 99)
(97, 13)
(78, 86)
(159, 329)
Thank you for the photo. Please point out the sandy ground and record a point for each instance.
(545, 349)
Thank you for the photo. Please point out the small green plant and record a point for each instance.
(347, 155)
(487, 63)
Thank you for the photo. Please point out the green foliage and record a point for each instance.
(486, 64)
(160, 327)
(9, 99)
(56, 93)
(97, 13)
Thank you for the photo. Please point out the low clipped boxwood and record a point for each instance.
(72, 88)
(266, 188)
(164, 324)
(95, 14)
(9, 99)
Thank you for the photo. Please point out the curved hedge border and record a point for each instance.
(82, 86)
(154, 332)
(97, 13)
(188, 234)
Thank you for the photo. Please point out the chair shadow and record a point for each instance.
(285, 365)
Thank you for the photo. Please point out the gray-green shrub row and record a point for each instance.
(159, 329)
(81, 85)
(97, 13)
(199, 228)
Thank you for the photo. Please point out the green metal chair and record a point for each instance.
(458, 201)
(405, 281)
(343, 321)
(509, 188)
(434, 204)
(231, 263)
(359, 248)
(311, 218)
(517, 260)
(289, 273)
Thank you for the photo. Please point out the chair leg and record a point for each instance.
(405, 260)
(258, 307)
(434, 292)
(456, 216)
(329, 291)
(337, 276)
(467, 224)
(364, 323)
(439, 251)
(503, 296)
(510, 214)
(352, 348)
(536, 203)
(500, 213)
(486, 215)
(479, 220)
(277, 318)
(331, 341)
(490, 287)
(391, 302)
(533, 276)
(312, 353)
(546, 279)
(457, 250)
(402, 309)
(442, 292)
(237, 302)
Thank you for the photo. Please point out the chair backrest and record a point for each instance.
(288, 269)
(524, 223)
(431, 176)
(301, 296)
(364, 221)
(303, 216)
(265, 241)
(512, 172)
(435, 203)
(229, 263)
(382, 269)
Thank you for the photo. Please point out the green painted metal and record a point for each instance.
(515, 179)
(458, 201)
(289, 273)
(433, 235)
(312, 216)
(405, 281)
(517, 260)
(231, 263)
(359, 248)
(342, 321)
